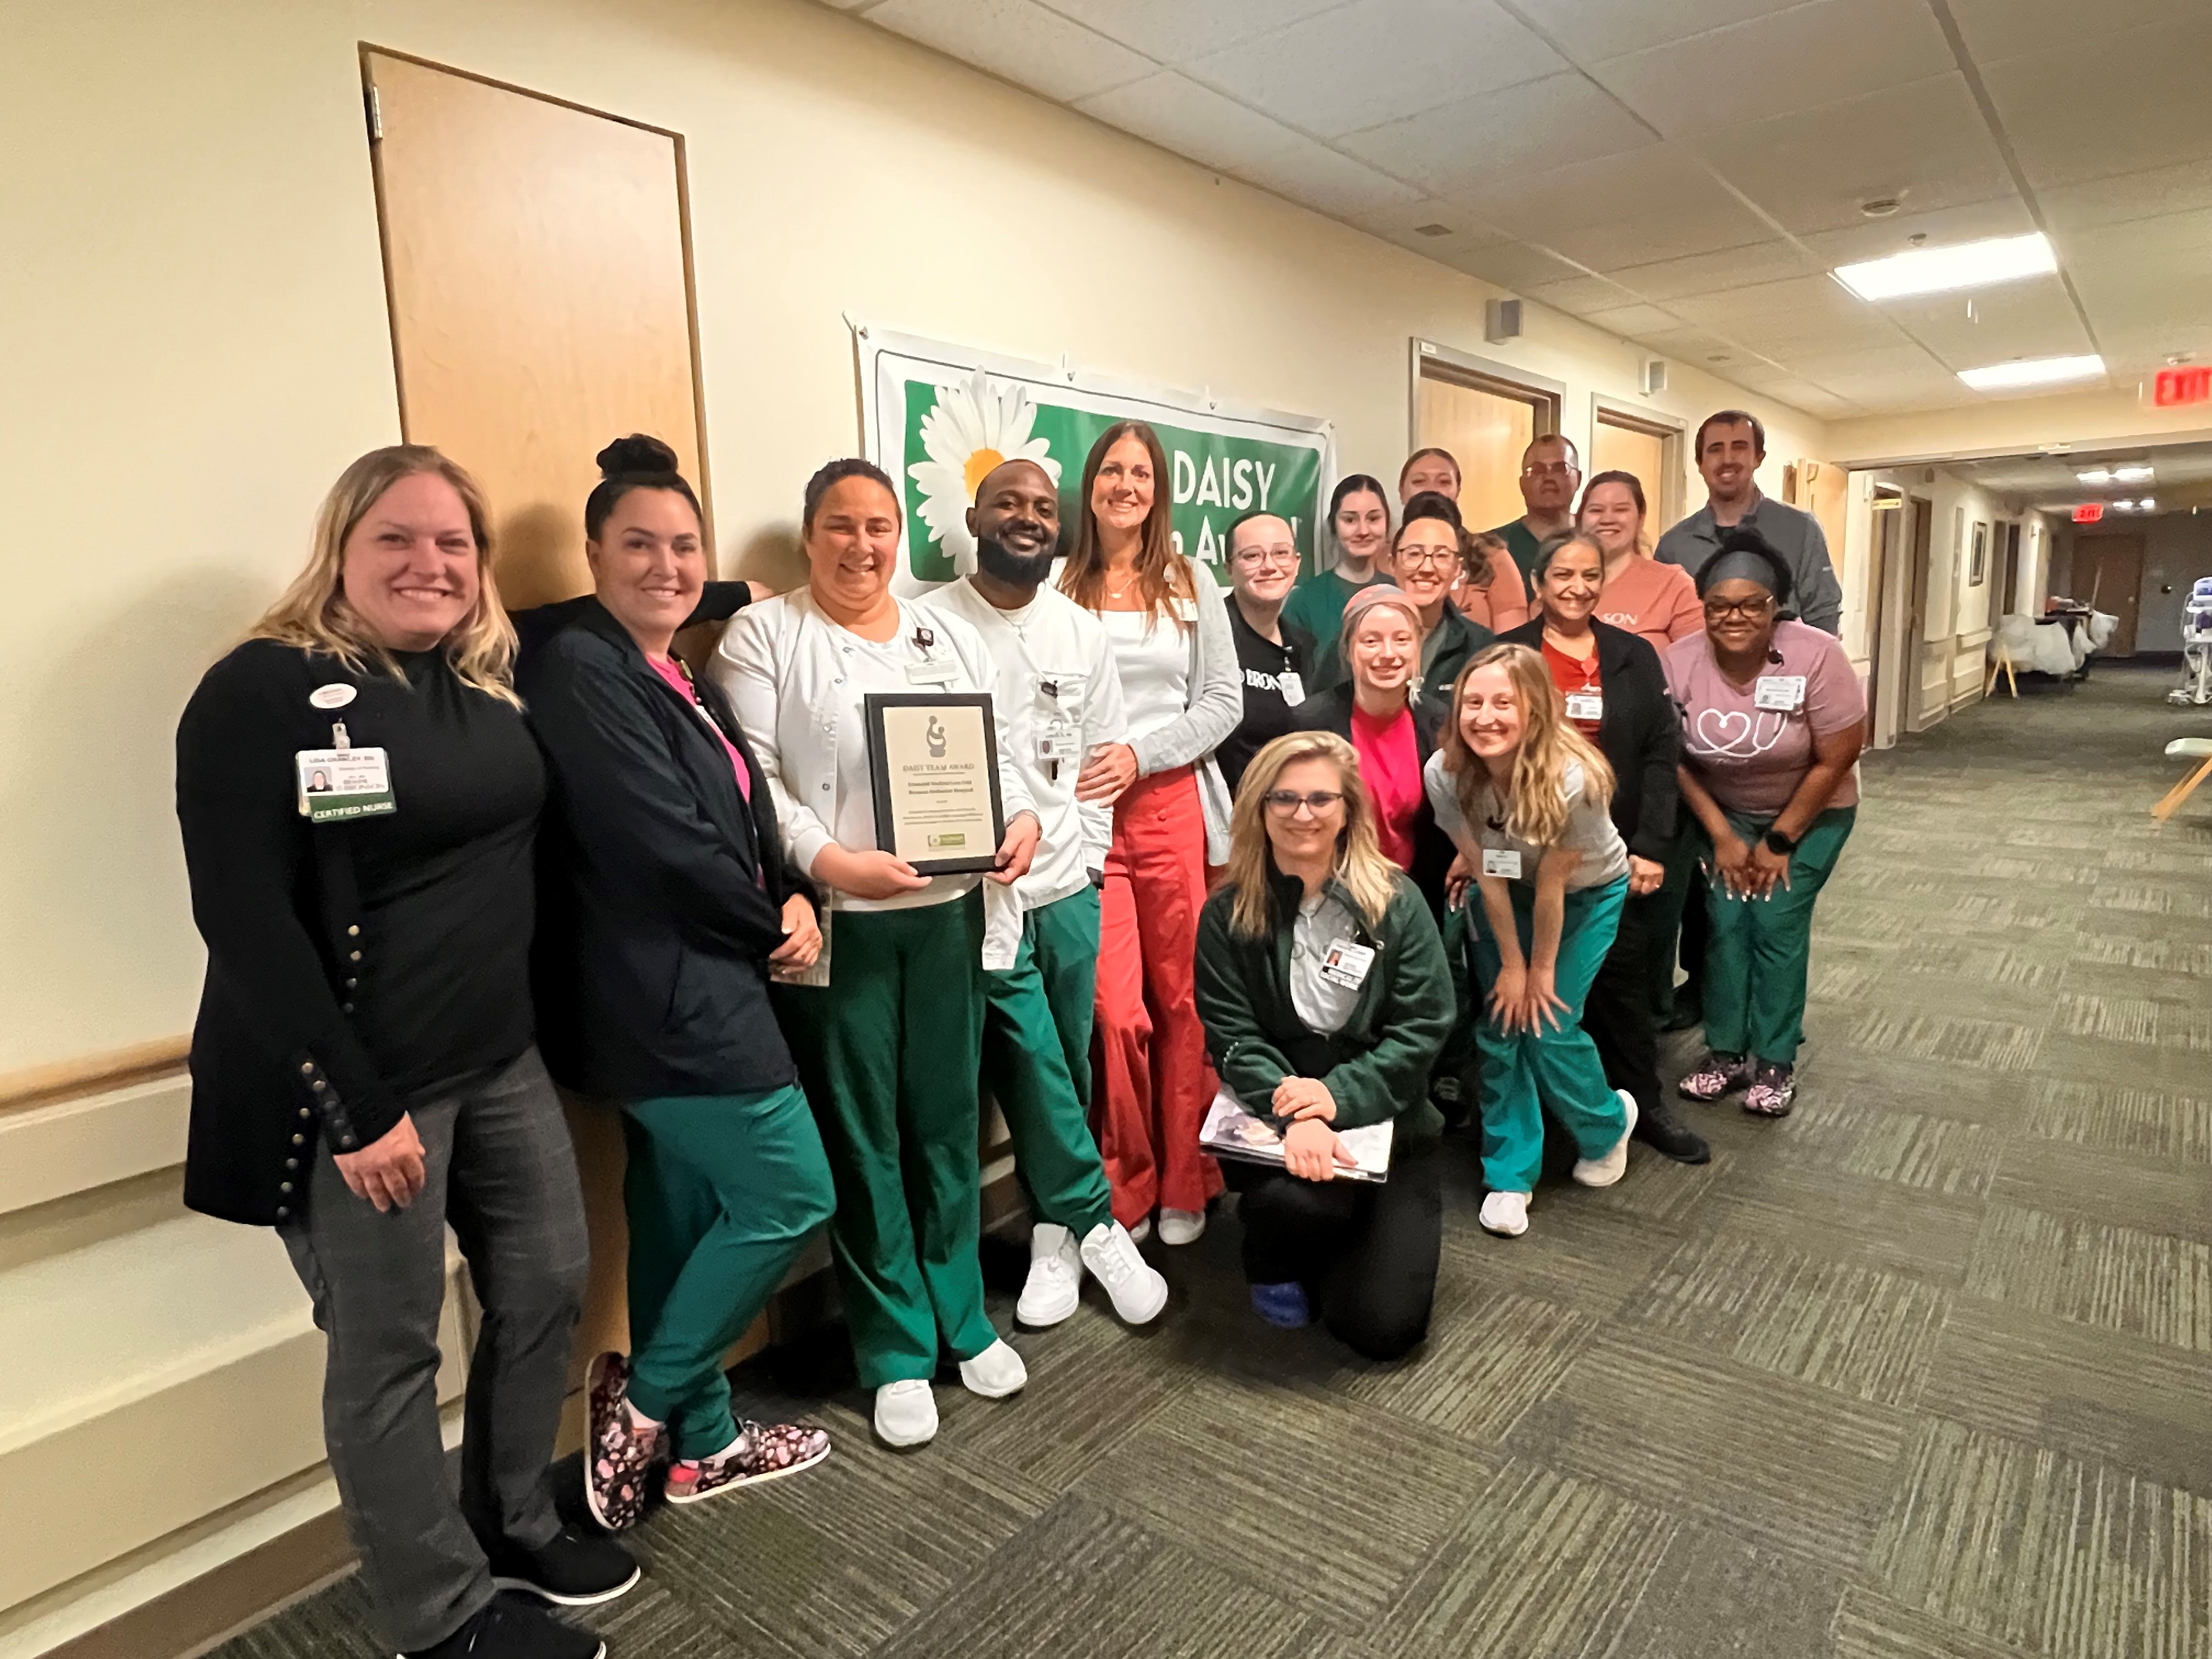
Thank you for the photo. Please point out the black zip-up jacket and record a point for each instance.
(1433, 849)
(661, 889)
(1640, 734)
(1376, 1065)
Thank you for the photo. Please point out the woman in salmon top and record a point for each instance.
(1659, 601)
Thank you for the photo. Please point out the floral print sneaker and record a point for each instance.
(761, 1451)
(1773, 1091)
(621, 1454)
(1714, 1076)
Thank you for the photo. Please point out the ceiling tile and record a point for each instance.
(2144, 312)
(1515, 266)
(1580, 295)
(1190, 119)
(1645, 204)
(1998, 29)
(1177, 31)
(1801, 314)
(1019, 41)
(1797, 59)
(1811, 170)
(1401, 223)
(1874, 239)
(1320, 179)
(1375, 61)
(2173, 243)
(1591, 29)
(1707, 273)
(2031, 318)
(1558, 119)
(2108, 103)
(1693, 345)
(2127, 196)
(1805, 395)
(1633, 322)
(1902, 359)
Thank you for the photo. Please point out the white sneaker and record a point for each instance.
(1056, 1277)
(1505, 1214)
(1604, 1171)
(906, 1413)
(1142, 1230)
(1181, 1226)
(994, 1373)
(1137, 1290)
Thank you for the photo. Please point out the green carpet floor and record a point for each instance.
(1925, 1370)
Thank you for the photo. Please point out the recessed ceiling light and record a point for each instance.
(2096, 476)
(2132, 474)
(2033, 371)
(2124, 507)
(2147, 505)
(1940, 270)
(1882, 206)
(1432, 230)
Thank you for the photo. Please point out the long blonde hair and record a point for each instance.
(313, 614)
(1538, 811)
(1370, 878)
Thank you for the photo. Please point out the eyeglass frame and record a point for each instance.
(1287, 801)
(1749, 610)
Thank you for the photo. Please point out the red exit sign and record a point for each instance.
(2189, 384)
(2088, 513)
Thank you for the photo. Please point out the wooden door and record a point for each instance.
(2008, 594)
(1649, 453)
(1877, 612)
(537, 266)
(2108, 576)
(1917, 598)
(536, 263)
(1487, 432)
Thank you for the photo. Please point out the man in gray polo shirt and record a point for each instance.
(1730, 447)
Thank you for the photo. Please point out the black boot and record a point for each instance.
(1658, 1128)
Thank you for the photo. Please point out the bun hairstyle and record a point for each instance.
(1474, 556)
(830, 474)
(637, 462)
(1745, 555)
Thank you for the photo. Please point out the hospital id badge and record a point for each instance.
(1585, 705)
(1292, 686)
(344, 783)
(1784, 693)
(1059, 740)
(1501, 861)
(1347, 963)
(930, 672)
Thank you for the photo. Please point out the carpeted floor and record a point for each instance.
(1925, 1370)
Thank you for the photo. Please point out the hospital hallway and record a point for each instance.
(1919, 1373)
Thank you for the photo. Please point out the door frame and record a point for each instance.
(1881, 547)
(2131, 617)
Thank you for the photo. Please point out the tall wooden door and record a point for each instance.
(1919, 598)
(1487, 432)
(536, 261)
(1877, 613)
(2108, 574)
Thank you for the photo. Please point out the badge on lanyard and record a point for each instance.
(1059, 739)
(342, 781)
(1784, 693)
(1585, 705)
(1346, 963)
(1292, 686)
(1501, 861)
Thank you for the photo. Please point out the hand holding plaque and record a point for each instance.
(933, 766)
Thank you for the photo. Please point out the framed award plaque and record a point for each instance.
(933, 764)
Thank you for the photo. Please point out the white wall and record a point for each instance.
(191, 315)
(1947, 672)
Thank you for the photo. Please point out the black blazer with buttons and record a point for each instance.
(1640, 734)
(353, 967)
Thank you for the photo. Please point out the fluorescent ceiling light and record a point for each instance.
(2131, 474)
(2096, 477)
(2033, 371)
(2124, 507)
(2146, 505)
(1942, 269)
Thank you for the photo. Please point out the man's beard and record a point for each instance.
(1001, 563)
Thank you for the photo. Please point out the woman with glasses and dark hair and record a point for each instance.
(1772, 723)
(1359, 519)
(1490, 591)
(1277, 657)
(1427, 558)
(1182, 690)
(1326, 998)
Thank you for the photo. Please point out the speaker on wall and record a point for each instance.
(1654, 375)
(1501, 321)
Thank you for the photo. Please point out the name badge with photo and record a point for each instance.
(1059, 740)
(1585, 705)
(934, 670)
(1347, 963)
(1782, 692)
(344, 783)
(1293, 687)
(1501, 861)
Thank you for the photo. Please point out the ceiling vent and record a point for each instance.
(1432, 230)
(1880, 207)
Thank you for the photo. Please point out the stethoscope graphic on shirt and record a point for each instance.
(1735, 734)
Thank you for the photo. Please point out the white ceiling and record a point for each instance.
(2183, 480)
(1685, 173)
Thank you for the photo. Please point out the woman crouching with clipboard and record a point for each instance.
(1326, 998)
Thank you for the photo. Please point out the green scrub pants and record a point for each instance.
(1758, 951)
(889, 1054)
(1037, 1060)
(1663, 917)
(1527, 1071)
(721, 1192)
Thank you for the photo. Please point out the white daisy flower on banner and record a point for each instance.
(973, 428)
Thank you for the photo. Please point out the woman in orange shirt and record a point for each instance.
(1500, 602)
(1659, 601)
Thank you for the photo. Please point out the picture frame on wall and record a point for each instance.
(1977, 568)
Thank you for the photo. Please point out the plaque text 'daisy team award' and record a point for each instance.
(933, 764)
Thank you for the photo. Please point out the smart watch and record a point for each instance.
(1778, 842)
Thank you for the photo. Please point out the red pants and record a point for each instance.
(1154, 1082)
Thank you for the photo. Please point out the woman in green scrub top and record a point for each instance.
(887, 1026)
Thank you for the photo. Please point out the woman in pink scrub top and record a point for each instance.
(1659, 601)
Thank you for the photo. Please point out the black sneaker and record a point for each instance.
(1660, 1130)
(511, 1628)
(574, 1568)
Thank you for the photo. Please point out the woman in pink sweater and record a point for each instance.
(1659, 601)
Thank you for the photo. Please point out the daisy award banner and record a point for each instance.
(938, 417)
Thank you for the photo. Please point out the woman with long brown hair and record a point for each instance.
(1525, 796)
(1182, 692)
(364, 1065)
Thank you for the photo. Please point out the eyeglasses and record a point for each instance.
(1750, 610)
(1438, 557)
(1548, 470)
(1287, 801)
(1256, 556)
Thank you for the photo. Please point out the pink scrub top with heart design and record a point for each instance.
(1751, 759)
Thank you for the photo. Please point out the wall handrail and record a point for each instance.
(93, 1074)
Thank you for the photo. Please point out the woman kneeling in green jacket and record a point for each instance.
(1326, 996)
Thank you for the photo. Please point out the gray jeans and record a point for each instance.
(502, 1172)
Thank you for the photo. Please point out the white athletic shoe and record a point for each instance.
(994, 1373)
(906, 1413)
(1604, 1171)
(1142, 1230)
(1505, 1214)
(1181, 1226)
(1056, 1277)
(1137, 1290)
